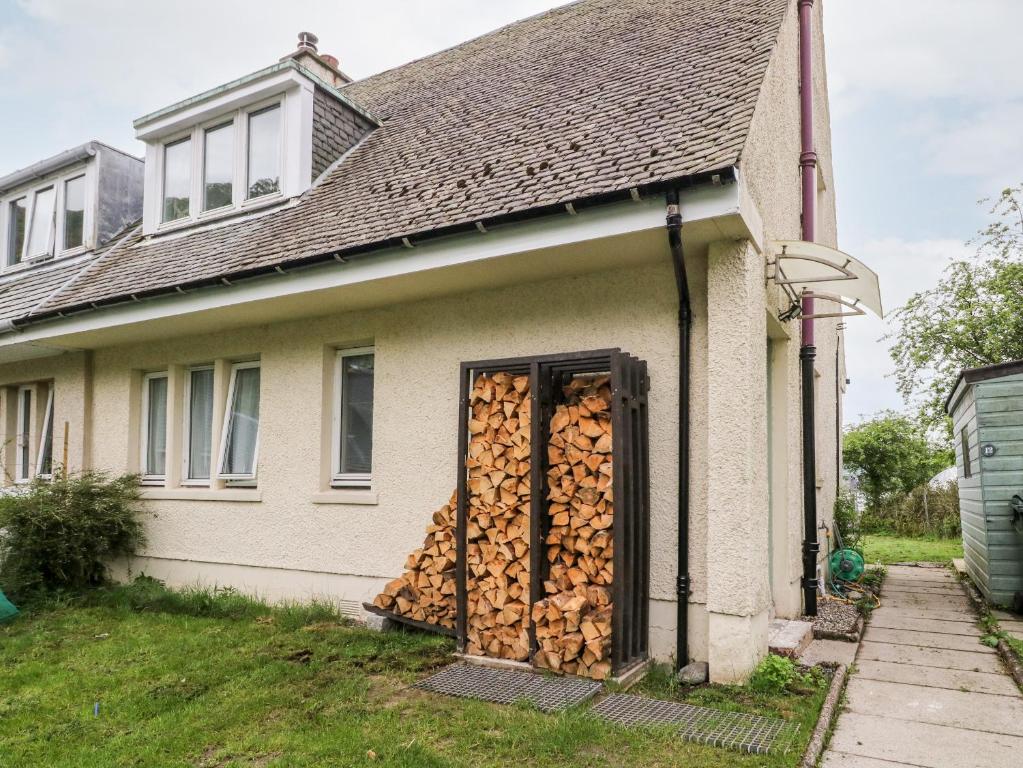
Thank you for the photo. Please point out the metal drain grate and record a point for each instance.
(507, 686)
(732, 730)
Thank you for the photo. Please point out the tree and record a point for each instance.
(973, 317)
(890, 455)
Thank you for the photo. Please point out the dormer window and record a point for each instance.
(221, 165)
(68, 204)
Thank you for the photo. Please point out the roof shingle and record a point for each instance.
(584, 100)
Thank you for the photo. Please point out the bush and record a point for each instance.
(774, 674)
(59, 534)
(909, 515)
(847, 519)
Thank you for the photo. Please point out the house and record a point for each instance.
(276, 347)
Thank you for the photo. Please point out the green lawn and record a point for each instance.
(880, 548)
(241, 685)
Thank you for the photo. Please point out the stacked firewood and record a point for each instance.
(573, 623)
(497, 518)
(426, 590)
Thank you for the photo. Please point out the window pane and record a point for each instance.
(264, 152)
(218, 167)
(42, 223)
(16, 236)
(200, 423)
(74, 212)
(177, 179)
(24, 433)
(357, 414)
(243, 424)
(156, 427)
(46, 446)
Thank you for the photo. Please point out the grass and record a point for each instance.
(217, 680)
(882, 548)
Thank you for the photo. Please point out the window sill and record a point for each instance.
(347, 496)
(202, 494)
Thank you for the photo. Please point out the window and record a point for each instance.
(23, 437)
(40, 234)
(74, 212)
(240, 442)
(44, 463)
(177, 179)
(353, 418)
(154, 429)
(198, 425)
(965, 442)
(218, 167)
(18, 210)
(264, 171)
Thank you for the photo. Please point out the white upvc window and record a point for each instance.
(239, 443)
(52, 218)
(222, 165)
(23, 436)
(198, 426)
(153, 448)
(352, 434)
(44, 457)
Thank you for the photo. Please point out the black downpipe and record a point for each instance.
(811, 546)
(685, 323)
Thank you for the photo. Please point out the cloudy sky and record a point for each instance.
(927, 103)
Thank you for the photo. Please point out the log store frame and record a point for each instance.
(630, 457)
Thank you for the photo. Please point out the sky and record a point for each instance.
(926, 104)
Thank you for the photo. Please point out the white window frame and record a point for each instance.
(187, 431)
(148, 479)
(339, 479)
(239, 478)
(47, 425)
(55, 247)
(239, 118)
(23, 439)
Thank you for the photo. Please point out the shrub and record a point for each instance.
(917, 514)
(847, 519)
(59, 534)
(774, 674)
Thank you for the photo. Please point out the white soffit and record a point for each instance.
(816, 268)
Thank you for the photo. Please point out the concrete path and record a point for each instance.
(925, 692)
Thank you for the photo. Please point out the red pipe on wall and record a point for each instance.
(807, 352)
(807, 155)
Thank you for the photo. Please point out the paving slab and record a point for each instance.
(925, 639)
(1001, 615)
(936, 677)
(924, 744)
(928, 602)
(938, 706)
(929, 589)
(845, 760)
(923, 613)
(894, 620)
(1010, 626)
(973, 661)
(834, 651)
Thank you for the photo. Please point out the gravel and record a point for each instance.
(836, 620)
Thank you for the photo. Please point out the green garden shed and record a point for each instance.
(986, 406)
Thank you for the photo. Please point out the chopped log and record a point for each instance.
(425, 592)
(574, 619)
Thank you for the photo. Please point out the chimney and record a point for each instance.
(307, 41)
(322, 65)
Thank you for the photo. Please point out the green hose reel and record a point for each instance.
(846, 564)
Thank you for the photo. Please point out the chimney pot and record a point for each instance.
(307, 41)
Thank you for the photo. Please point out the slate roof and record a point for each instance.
(589, 99)
(22, 292)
